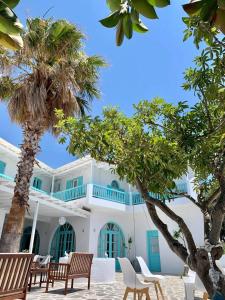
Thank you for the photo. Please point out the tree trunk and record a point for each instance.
(13, 227)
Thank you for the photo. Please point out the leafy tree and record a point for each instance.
(10, 26)
(51, 72)
(126, 15)
(158, 144)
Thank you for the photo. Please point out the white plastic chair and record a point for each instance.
(132, 282)
(192, 283)
(45, 261)
(221, 264)
(149, 277)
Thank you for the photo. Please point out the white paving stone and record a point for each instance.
(172, 286)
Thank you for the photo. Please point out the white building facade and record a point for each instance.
(83, 206)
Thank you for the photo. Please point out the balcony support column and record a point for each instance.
(34, 228)
(52, 186)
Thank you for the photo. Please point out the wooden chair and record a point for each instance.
(14, 275)
(79, 266)
(39, 268)
(132, 281)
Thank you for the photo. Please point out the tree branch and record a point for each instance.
(174, 244)
(172, 215)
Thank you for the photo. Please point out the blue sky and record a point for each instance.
(147, 66)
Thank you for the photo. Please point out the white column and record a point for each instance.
(53, 183)
(34, 228)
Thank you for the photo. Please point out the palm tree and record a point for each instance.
(50, 72)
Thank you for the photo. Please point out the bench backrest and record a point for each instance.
(14, 272)
(80, 263)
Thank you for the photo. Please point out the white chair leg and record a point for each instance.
(189, 291)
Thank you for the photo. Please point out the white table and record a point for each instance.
(102, 270)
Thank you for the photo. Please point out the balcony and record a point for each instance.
(180, 188)
(9, 178)
(103, 192)
(71, 194)
(109, 194)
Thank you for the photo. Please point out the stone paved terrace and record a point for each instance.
(172, 287)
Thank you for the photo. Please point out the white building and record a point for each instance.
(102, 214)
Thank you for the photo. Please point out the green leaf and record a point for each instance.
(112, 20)
(140, 27)
(9, 23)
(13, 42)
(127, 26)
(159, 3)
(193, 8)
(119, 33)
(144, 8)
(11, 3)
(113, 4)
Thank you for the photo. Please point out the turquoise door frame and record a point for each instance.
(63, 240)
(153, 251)
(111, 242)
(25, 240)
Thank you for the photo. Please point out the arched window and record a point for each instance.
(25, 240)
(63, 240)
(111, 242)
(115, 185)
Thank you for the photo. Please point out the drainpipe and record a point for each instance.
(34, 228)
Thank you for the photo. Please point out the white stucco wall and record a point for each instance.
(47, 230)
(105, 177)
(84, 171)
(170, 263)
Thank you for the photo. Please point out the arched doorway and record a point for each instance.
(25, 240)
(111, 242)
(63, 240)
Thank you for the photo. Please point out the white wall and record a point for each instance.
(105, 177)
(47, 230)
(11, 162)
(170, 263)
(84, 171)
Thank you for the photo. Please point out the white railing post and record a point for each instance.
(130, 195)
(89, 191)
(33, 228)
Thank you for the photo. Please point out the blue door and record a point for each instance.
(63, 240)
(153, 251)
(111, 243)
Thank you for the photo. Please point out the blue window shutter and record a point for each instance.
(2, 167)
(37, 183)
(80, 180)
(69, 184)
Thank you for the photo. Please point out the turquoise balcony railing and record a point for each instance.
(71, 194)
(110, 194)
(6, 177)
(9, 178)
(180, 188)
(38, 190)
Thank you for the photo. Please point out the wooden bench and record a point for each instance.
(79, 266)
(14, 275)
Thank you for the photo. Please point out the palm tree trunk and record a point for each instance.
(13, 227)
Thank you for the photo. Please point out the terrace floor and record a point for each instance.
(173, 289)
